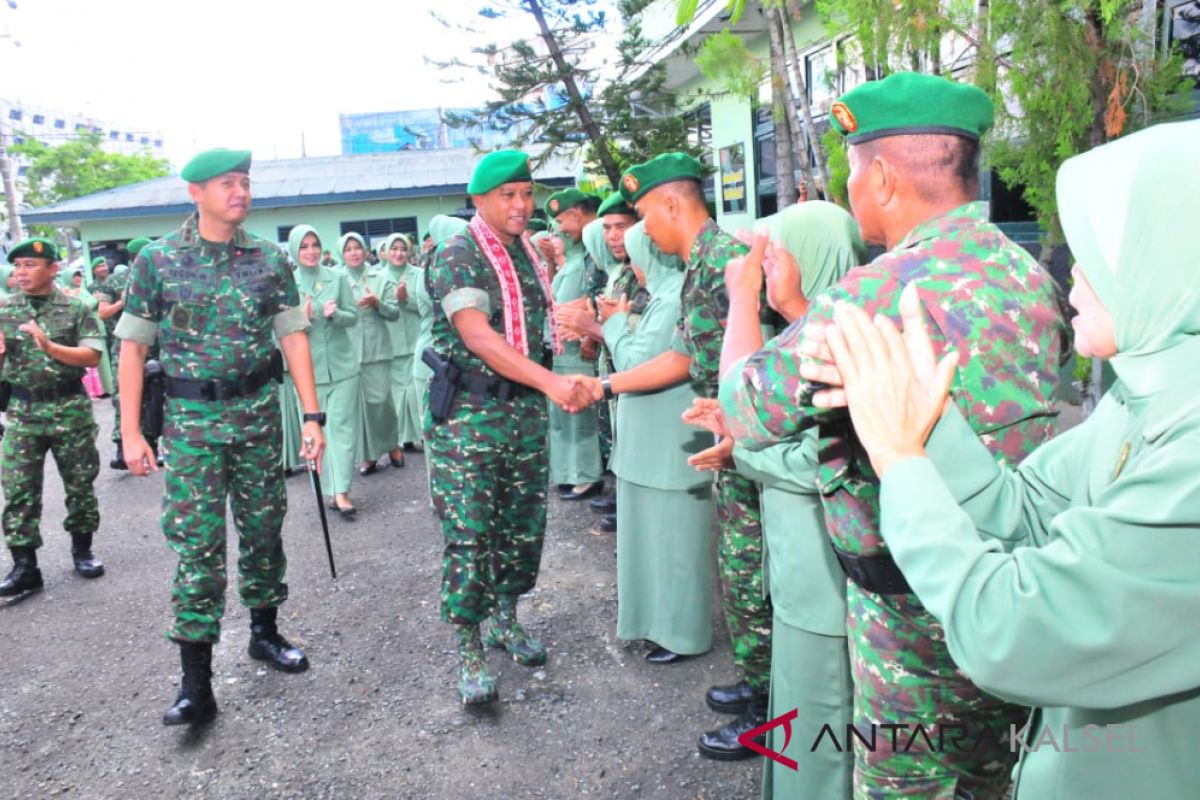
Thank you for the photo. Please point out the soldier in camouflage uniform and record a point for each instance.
(111, 294)
(212, 295)
(47, 340)
(490, 296)
(914, 139)
(667, 193)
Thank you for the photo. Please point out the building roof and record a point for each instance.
(304, 182)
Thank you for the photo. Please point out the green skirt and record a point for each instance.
(810, 672)
(292, 416)
(377, 433)
(404, 397)
(664, 567)
(343, 419)
(574, 438)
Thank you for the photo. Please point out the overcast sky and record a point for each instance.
(238, 73)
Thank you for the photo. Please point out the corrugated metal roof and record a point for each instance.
(305, 181)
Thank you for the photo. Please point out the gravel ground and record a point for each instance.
(87, 673)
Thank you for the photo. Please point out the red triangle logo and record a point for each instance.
(747, 739)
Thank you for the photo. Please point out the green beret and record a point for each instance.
(212, 163)
(537, 224)
(567, 199)
(135, 245)
(661, 169)
(497, 168)
(909, 103)
(615, 204)
(37, 247)
(98, 260)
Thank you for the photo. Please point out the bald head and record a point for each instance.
(673, 214)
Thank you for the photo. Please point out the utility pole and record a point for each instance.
(10, 189)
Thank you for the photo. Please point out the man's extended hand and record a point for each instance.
(717, 457)
(574, 393)
(706, 413)
(784, 292)
(138, 456)
(744, 276)
(39, 336)
(312, 452)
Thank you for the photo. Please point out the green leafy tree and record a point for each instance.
(547, 96)
(80, 166)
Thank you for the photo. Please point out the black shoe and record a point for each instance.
(608, 523)
(729, 699)
(564, 487)
(410, 446)
(661, 655)
(86, 564)
(195, 704)
(118, 460)
(347, 512)
(604, 505)
(592, 490)
(267, 645)
(25, 577)
(723, 745)
(371, 470)
(396, 464)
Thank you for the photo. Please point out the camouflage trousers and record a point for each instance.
(740, 565)
(488, 478)
(67, 429)
(953, 743)
(604, 423)
(237, 456)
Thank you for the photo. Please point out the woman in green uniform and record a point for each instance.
(375, 294)
(332, 312)
(574, 438)
(810, 666)
(664, 508)
(404, 332)
(1070, 583)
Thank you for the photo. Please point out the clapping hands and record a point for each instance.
(706, 413)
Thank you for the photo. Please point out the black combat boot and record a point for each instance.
(25, 576)
(729, 699)
(195, 704)
(118, 459)
(267, 645)
(86, 564)
(723, 745)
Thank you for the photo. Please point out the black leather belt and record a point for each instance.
(65, 388)
(878, 574)
(219, 390)
(475, 383)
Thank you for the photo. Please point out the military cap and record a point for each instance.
(615, 204)
(98, 260)
(37, 247)
(661, 169)
(567, 199)
(537, 224)
(212, 163)
(135, 245)
(910, 103)
(497, 168)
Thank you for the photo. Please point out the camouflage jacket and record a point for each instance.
(705, 305)
(985, 297)
(460, 277)
(213, 306)
(66, 321)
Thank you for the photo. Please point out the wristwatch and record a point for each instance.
(318, 418)
(606, 385)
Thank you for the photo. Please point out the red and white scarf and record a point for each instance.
(510, 284)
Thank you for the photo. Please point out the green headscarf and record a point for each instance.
(664, 273)
(119, 270)
(593, 242)
(442, 227)
(296, 236)
(387, 247)
(1125, 209)
(341, 246)
(822, 237)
